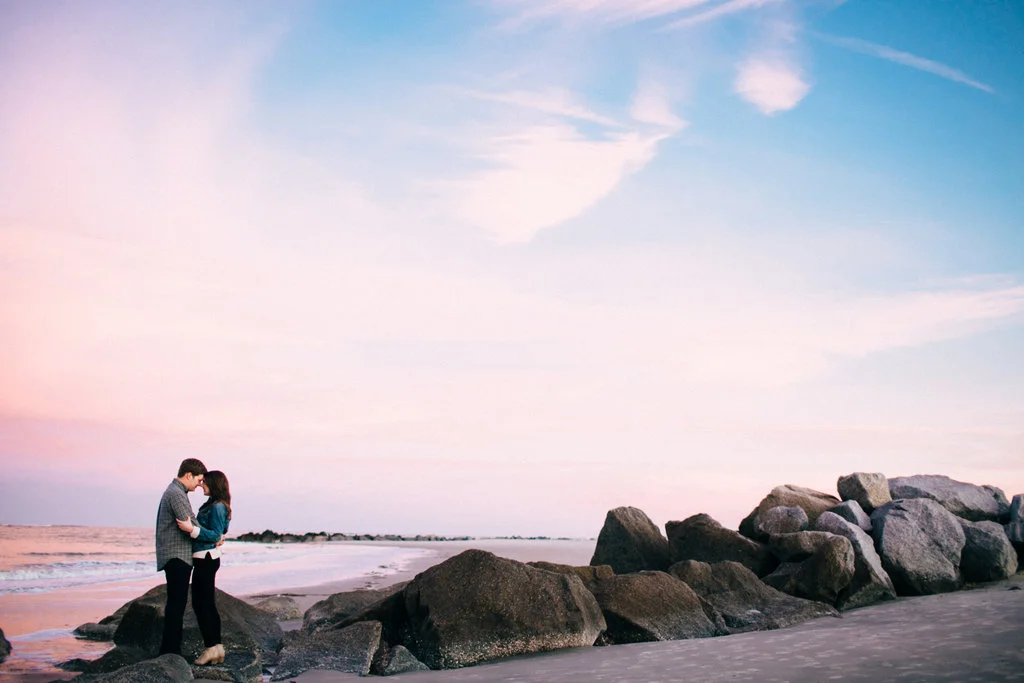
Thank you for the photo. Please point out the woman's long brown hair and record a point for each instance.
(220, 492)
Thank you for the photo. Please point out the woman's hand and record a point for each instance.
(185, 525)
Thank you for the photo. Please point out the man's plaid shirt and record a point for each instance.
(171, 541)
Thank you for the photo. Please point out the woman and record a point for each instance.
(213, 518)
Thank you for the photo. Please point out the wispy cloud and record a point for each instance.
(610, 11)
(772, 85)
(722, 10)
(651, 104)
(906, 59)
(556, 101)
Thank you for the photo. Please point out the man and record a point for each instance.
(174, 549)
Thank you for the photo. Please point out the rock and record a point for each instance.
(1001, 502)
(5, 646)
(1015, 522)
(281, 606)
(781, 520)
(988, 554)
(869, 489)
(852, 512)
(400, 660)
(798, 546)
(112, 660)
(971, 502)
(340, 606)
(920, 543)
(823, 576)
(163, 669)
(701, 538)
(348, 650)
(590, 575)
(870, 582)
(238, 667)
(98, 632)
(630, 542)
(744, 601)
(650, 606)
(243, 627)
(810, 501)
(476, 606)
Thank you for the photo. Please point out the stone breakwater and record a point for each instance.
(800, 554)
(270, 536)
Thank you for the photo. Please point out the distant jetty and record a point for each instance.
(270, 536)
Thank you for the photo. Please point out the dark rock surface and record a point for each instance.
(822, 576)
(400, 661)
(112, 660)
(988, 554)
(630, 542)
(94, 631)
(348, 650)
(340, 606)
(649, 606)
(851, 511)
(238, 667)
(870, 582)
(810, 501)
(5, 646)
(282, 607)
(798, 546)
(969, 501)
(1015, 522)
(920, 543)
(744, 601)
(1001, 502)
(589, 575)
(781, 520)
(163, 669)
(703, 539)
(243, 627)
(869, 489)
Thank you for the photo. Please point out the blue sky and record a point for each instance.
(495, 267)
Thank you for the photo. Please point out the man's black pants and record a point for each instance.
(177, 573)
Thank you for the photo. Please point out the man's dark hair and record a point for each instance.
(191, 466)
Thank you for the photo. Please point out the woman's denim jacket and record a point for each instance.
(213, 523)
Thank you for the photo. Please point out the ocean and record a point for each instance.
(53, 578)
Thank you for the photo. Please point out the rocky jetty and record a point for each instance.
(5, 646)
(801, 554)
(270, 536)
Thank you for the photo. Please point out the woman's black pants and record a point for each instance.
(204, 604)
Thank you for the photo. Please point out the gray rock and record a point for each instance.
(589, 575)
(348, 650)
(400, 660)
(476, 606)
(112, 660)
(630, 542)
(743, 600)
(852, 512)
(798, 546)
(870, 582)
(281, 606)
(869, 489)
(1015, 522)
(781, 520)
(971, 502)
(340, 606)
(650, 606)
(1001, 502)
(822, 576)
(238, 667)
(163, 669)
(920, 543)
(5, 646)
(810, 501)
(98, 632)
(701, 538)
(988, 554)
(243, 627)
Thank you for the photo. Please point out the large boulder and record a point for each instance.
(1001, 502)
(798, 546)
(282, 607)
(589, 575)
(869, 489)
(1015, 527)
(870, 582)
(703, 539)
(476, 606)
(988, 554)
(920, 544)
(243, 627)
(781, 520)
(630, 542)
(810, 501)
(852, 512)
(399, 661)
(94, 631)
(649, 606)
(821, 576)
(5, 646)
(340, 606)
(743, 600)
(347, 650)
(162, 669)
(112, 660)
(971, 502)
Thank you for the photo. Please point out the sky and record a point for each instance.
(495, 267)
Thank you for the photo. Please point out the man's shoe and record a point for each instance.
(208, 656)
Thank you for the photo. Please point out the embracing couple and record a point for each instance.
(189, 546)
